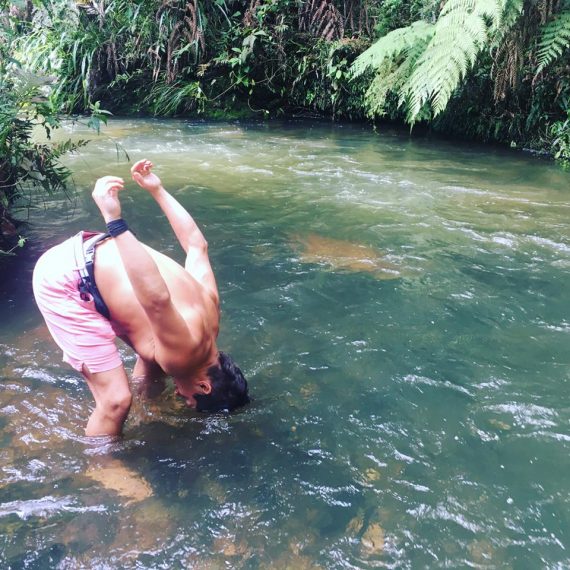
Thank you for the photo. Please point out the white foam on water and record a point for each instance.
(506, 241)
(528, 414)
(424, 381)
(464, 190)
(253, 170)
(545, 242)
(46, 507)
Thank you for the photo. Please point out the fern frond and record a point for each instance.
(511, 12)
(389, 79)
(385, 81)
(445, 53)
(554, 40)
(458, 39)
(500, 13)
(393, 44)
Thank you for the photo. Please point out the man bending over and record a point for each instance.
(94, 287)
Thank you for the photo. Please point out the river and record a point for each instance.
(401, 309)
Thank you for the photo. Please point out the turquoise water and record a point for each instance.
(401, 310)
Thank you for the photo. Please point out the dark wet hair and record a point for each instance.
(229, 387)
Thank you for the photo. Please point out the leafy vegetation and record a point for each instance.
(560, 132)
(504, 61)
(28, 168)
(554, 37)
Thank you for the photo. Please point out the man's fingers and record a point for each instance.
(113, 187)
(108, 184)
(141, 166)
(138, 165)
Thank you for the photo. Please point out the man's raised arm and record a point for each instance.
(184, 226)
(169, 328)
(187, 231)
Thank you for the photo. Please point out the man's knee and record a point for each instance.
(116, 406)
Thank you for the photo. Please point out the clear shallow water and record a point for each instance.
(401, 310)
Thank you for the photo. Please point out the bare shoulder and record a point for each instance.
(194, 292)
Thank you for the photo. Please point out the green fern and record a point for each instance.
(389, 80)
(167, 99)
(443, 53)
(463, 29)
(512, 10)
(394, 44)
(454, 11)
(554, 40)
(392, 58)
(449, 55)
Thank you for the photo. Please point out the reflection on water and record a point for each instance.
(401, 310)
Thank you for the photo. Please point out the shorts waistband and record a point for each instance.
(84, 245)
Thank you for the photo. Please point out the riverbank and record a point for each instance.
(341, 60)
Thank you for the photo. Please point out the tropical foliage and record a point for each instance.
(28, 168)
(515, 44)
(178, 56)
(560, 132)
(554, 36)
(487, 69)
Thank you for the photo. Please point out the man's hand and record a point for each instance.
(106, 196)
(142, 175)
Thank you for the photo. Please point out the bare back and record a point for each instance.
(196, 304)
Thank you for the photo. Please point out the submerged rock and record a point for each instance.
(373, 539)
(482, 552)
(290, 561)
(146, 527)
(213, 489)
(229, 546)
(372, 474)
(341, 255)
(355, 525)
(116, 476)
(503, 426)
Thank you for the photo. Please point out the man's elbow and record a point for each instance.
(197, 242)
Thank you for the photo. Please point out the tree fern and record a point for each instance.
(388, 80)
(555, 38)
(463, 29)
(448, 50)
(451, 52)
(394, 44)
(392, 57)
(512, 10)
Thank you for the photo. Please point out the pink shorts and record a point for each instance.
(85, 336)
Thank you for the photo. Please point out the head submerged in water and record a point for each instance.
(229, 387)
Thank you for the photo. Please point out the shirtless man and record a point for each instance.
(167, 313)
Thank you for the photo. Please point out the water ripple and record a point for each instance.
(46, 507)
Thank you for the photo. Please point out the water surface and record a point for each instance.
(401, 310)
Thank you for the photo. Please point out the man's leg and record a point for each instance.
(112, 401)
(86, 338)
